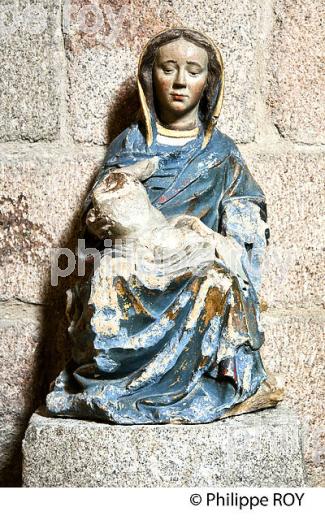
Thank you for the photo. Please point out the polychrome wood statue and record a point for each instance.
(167, 327)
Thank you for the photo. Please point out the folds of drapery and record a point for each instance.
(188, 352)
(243, 217)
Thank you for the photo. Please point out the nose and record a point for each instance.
(180, 81)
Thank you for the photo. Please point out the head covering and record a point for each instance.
(212, 98)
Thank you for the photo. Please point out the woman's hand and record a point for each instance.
(230, 252)
(227, 249)
(193, 223)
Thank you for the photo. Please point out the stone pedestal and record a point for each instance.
(260, 449)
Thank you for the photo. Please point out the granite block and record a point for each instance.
(261, 449)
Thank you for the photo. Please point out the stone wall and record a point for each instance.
(67, 88)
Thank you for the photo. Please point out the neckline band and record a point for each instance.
(177, 133)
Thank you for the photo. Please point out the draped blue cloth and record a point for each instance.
(190, 352)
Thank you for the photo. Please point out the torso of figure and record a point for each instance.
(174, 148)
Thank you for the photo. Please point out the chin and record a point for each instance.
(178, 108)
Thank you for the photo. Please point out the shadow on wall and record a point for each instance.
(54, 350)
(124, 111)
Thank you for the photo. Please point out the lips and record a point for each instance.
(178, 97)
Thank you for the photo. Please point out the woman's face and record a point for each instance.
(180, 73)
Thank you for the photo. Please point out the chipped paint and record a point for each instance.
(175, 330)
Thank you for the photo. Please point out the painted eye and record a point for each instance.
(168, 71)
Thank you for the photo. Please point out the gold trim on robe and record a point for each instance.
(176, 133)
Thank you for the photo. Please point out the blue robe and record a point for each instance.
(157, 368)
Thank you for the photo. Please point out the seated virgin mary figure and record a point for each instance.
(174, 335)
